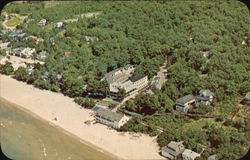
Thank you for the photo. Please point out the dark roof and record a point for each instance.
(137, 77)
(185, 99)
(108, 115)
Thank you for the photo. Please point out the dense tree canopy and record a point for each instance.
(205, 43)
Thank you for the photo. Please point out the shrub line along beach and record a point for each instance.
(48, 105)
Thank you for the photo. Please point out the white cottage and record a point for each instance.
(189, 155)
(205, 97)
(109, 118)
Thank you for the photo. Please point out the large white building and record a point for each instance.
(123, 78)
(109, 118)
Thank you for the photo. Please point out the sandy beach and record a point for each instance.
(48, 105)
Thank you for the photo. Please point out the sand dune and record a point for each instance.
(70, 117)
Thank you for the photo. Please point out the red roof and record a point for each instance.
(67, 53)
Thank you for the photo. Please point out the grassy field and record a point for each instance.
(49, 4)
(14, 22)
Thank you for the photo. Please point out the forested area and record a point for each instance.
(148, 34)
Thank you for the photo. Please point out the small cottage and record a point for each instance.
(205, 97)
(42, 22)
(28, 52)
(89, 39)
(30, 69)
(59, 24)
(67, 53)
(189, 155)
(42, 55)
(172, 150)
(212, 157)
(185, 103)
(109, 118)
(246, 100)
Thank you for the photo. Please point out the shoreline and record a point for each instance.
(45, 105)
(34, 115)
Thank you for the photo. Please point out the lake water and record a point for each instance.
(25, 137)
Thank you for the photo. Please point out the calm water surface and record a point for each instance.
(24, 137)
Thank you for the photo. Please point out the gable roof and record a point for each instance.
(206, 92)
(185, 99)
(190, 153)
(212, 157)
(177, 146)
(118, 69)
(108, 115)
(247, 96)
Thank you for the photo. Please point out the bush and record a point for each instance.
(228, 122)
(3, 52)
(85, 102)
(112, 106)
(219, 119)
(202, 109)
(21, 74)
(7, 68)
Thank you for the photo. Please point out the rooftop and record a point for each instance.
(212, 157)
(107, 114)
(247, 96)
(190, 153)
(206, 92)
(137, 77)
(118, 69)
(185, 99)
(176, 145)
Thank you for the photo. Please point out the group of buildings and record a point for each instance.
(43, 22)
(187, 102)
(124, 78)
(25, 52)
(176, 150)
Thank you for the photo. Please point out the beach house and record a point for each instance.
(205, 97)
(123, 78)
(185, 103)
(172, 150)
(189, 155)
(42, 55)
(109, 118)
(246, 99)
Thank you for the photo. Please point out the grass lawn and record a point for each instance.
(107, 102)
(14, 22)
(198, 124)
(243, 113)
